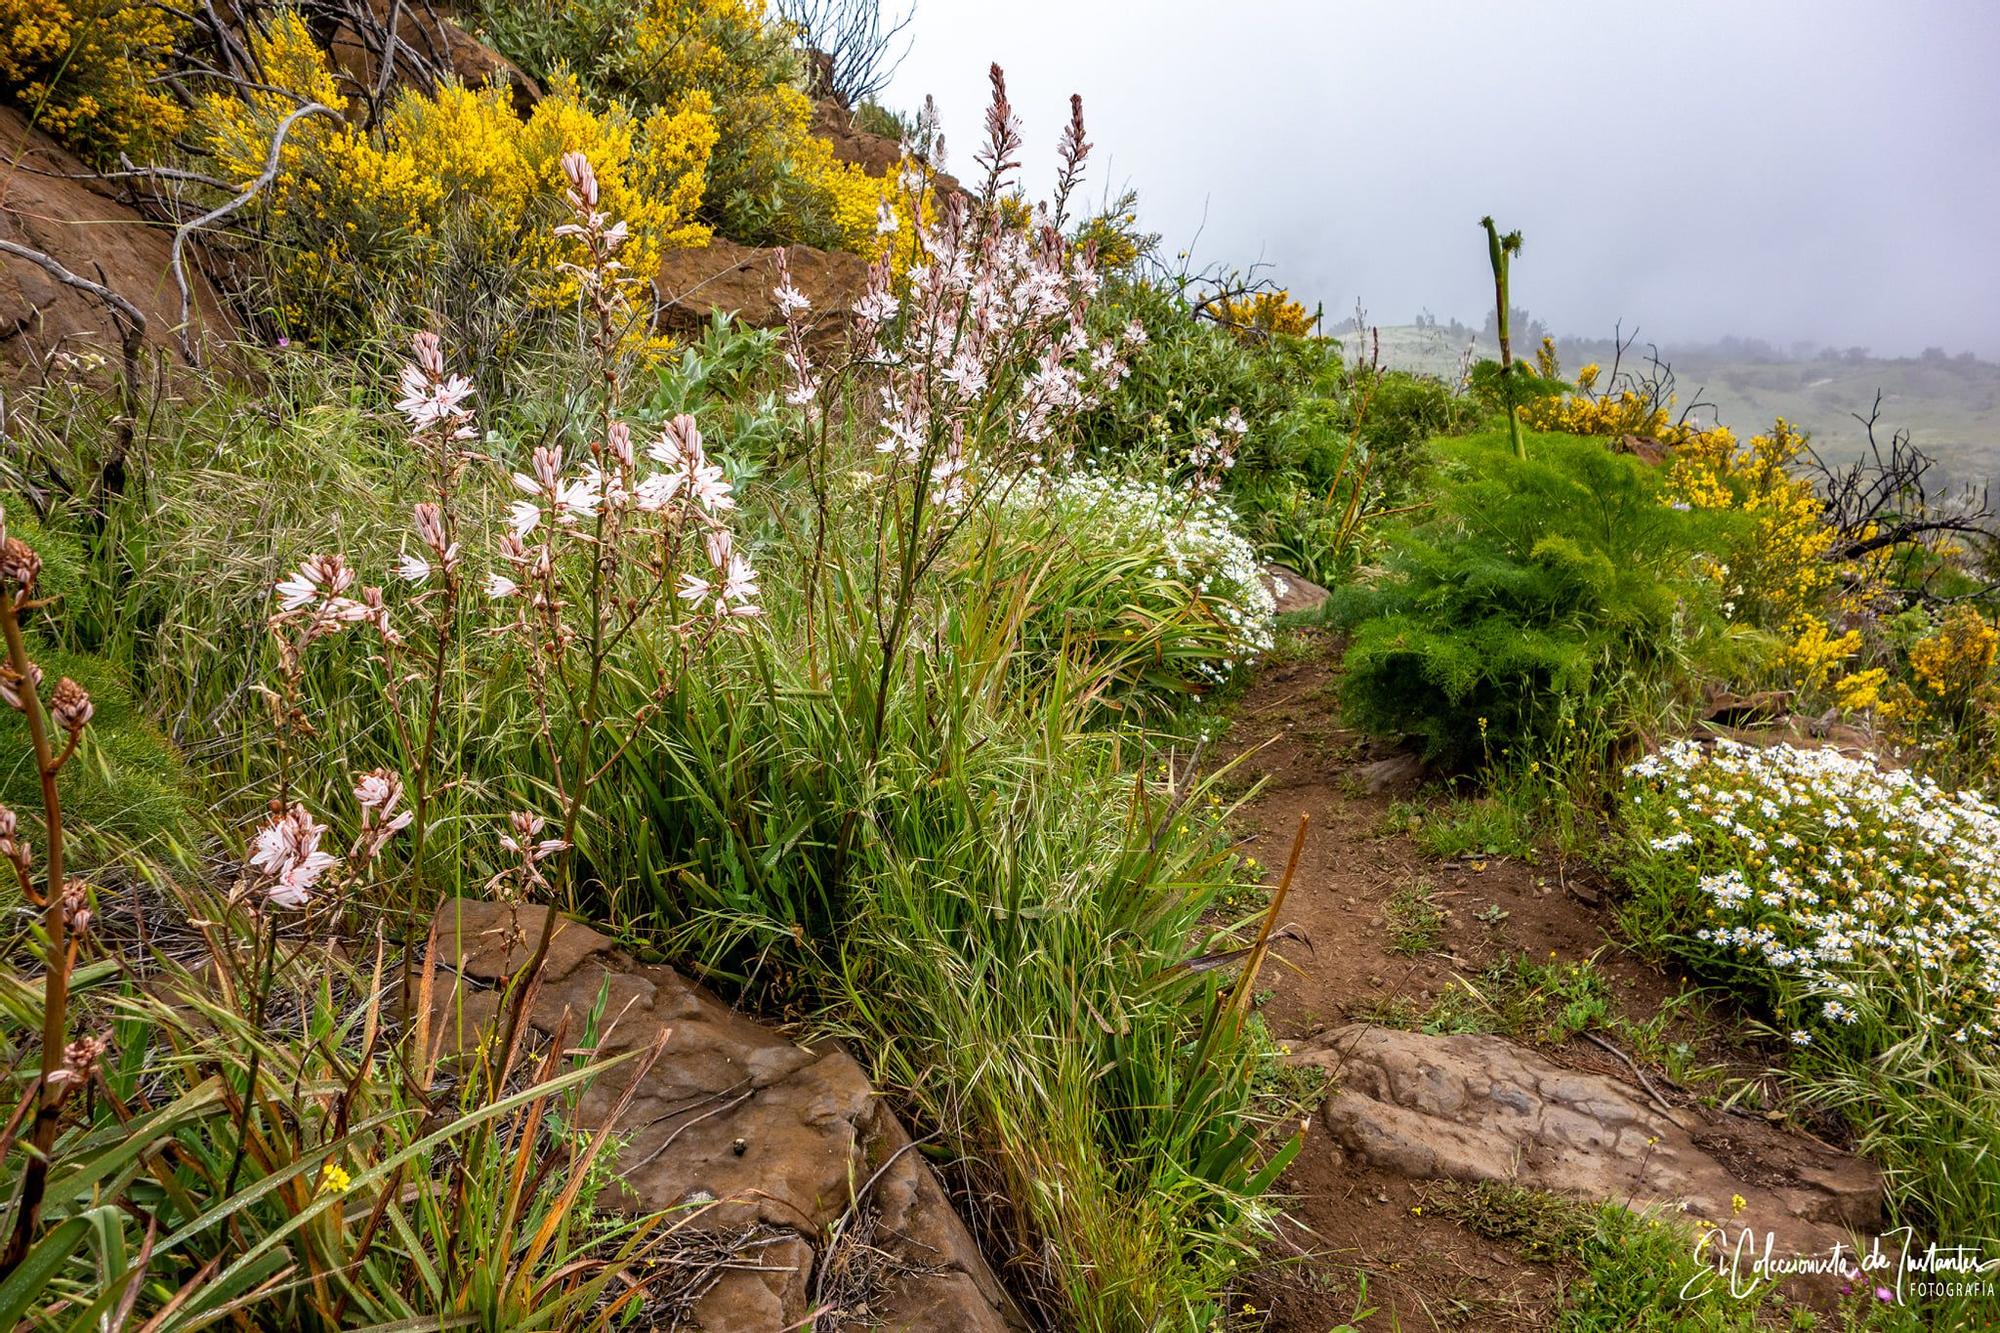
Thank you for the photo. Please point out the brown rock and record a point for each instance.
(766, 1133)
(1478, 1108)
(1739, 709)
(696, 282)
(768, 1293)
(1643, 447)
(83, 226)
(876, 154)
(1293, 590)
(1395, 773)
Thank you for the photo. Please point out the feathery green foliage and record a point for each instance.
(1533, 597)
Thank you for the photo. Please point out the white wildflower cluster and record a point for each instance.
(1199, 552)
(1875, 888)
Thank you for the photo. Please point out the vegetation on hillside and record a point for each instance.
(865, 666)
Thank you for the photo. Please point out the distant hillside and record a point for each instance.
(1950, 405)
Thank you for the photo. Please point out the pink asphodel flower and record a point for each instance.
(286, 854)
(318, 577)
(427, 401)
(546, 475)
(525, 838)
(582, 180)
(428, 520)
(523, 517)
(738, 596)
(791, 301)
(378, 793)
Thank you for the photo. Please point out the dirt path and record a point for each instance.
(1423, 1272)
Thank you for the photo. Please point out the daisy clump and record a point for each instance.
(1862, 895)
(1864, 904)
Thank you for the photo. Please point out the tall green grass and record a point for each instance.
(997, 900)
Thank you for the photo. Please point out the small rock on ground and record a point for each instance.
(1294, 591)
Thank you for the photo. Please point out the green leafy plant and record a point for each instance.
(1533, 599)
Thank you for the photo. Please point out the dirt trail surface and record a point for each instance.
(1347, 1216)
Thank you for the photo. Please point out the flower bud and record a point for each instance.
(11, 685)
(13, 847)
(581, 178)
(70, 706)
(80, 1059)
(19, 564)
(76, 909)
(429, 351)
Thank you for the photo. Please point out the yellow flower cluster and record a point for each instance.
(1606, 416)
(1546, 365)
(1954, 662)
(1861, 690)
(852, 198)
(727, 48)
(1117, 244)
(772, 179)
(87, 71)
(1787, 570)
(460, 167)
(1949, 709)
(1265, 314)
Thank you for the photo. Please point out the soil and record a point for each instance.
(1345, 1221)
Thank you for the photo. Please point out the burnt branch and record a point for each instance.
(131, 322)
(856, 42)
(1888, 498)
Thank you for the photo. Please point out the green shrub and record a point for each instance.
(1328, 445)
(979, 903)
(126, 779)
(1142, 585)
(1533, 600)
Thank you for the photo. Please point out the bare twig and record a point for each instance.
(131, 322)
(223, 210)
(1637, 1073)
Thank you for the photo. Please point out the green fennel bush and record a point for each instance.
(127, 779)
(1533, 600)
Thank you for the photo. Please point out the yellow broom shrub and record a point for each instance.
(87, 72)
(353, 210)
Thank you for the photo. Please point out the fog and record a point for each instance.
(1789, 171)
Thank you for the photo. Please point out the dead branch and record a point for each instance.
(1885, 498)
(223, 210)
(856, 40)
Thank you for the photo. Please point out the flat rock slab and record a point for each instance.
(1480, 1108)
(761, 1132)
(48, 203)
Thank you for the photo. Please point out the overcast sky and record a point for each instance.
(1825, 171)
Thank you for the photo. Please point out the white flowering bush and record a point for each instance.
(1150, 583)
(1865, 892)
(1864, 904)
